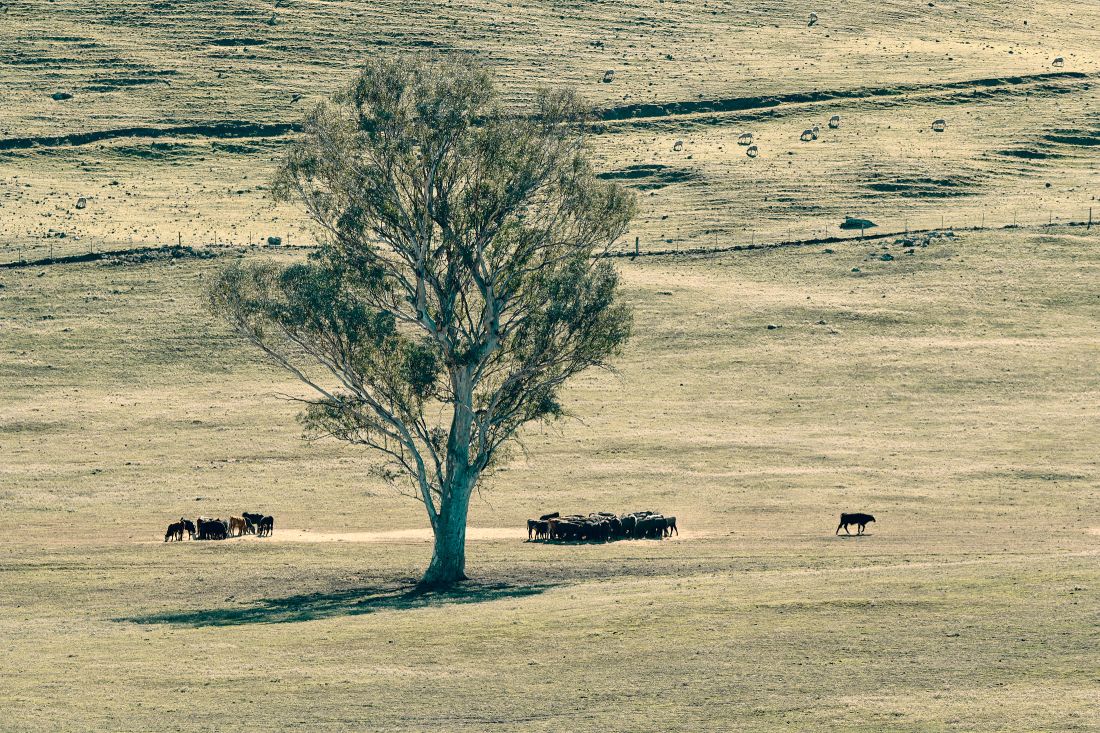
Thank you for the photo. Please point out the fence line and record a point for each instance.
(861, 237)
(52, 252)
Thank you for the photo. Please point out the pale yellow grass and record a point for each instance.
(953, 393)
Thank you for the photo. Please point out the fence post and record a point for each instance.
(1090, 220)
(636, 247)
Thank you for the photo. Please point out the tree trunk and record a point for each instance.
(448, 565)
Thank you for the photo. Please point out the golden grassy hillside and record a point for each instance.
(951, 392)
(180, 108)
(951, 389)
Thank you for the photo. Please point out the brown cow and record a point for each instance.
(237, 526)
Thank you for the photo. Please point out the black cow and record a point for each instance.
(561, 529)
(189, 526)
(857, 518)
(628, 524)
(615, 526)
(212, 529)
(175, 532)
(652, 526)
(265, 527)
(252, 521)
(554, 515)
(538, 529)
(670, 526)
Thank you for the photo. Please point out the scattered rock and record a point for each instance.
(81, 203)
(829, 251)
(60, 96)
(856, 269)
(852, 222)
(886, 257)
(772, 326)
(274, 241)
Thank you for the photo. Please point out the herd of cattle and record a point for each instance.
(206, 528)
(601, 527)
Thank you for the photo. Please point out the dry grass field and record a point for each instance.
(179, 108)
(953, 392)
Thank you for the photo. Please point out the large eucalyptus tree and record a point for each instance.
(458, 285)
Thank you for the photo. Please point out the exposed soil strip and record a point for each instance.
(228, 129)
(134, 255)
(422, 534)
(741, 104)
(243, 129)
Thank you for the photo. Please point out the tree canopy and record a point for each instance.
(458, 284)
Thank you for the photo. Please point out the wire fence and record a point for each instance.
(46, 249)
(780, 235)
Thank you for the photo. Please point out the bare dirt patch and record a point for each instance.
(422, 534)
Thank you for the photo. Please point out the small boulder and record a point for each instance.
(852, 222)
(60, 96)
(772, 326)
(274, 241)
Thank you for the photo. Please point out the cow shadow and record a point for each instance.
(351, 602)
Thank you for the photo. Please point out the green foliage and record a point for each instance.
(459, 284)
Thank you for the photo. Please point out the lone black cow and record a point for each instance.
(858, 519)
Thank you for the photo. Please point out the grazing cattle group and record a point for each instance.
(207, 528)
(600, 527)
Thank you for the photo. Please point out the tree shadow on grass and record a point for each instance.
(352, 602)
